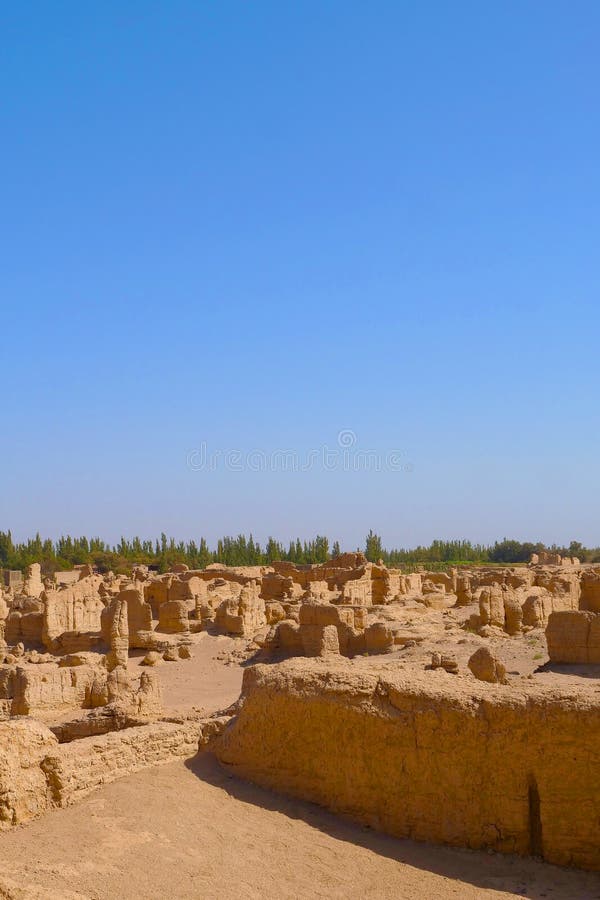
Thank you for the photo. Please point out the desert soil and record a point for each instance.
(210, 681)
(187, 830)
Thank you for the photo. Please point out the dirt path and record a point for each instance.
(204, 681)
(187, 830)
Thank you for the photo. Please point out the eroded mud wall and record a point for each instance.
(480, 766)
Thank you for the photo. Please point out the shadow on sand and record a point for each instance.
(509, 875)
(570, 670)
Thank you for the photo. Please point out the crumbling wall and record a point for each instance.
(319, 621)
(173, 617)
(244, 615)
(77, 768)
(115, 621)
(481, 766)
(139, 615)
(24, 791)
(33, 586)
(574, 637)
(75, 608)
(12, 579)
(40, 690)
(156, 592)
(313, 634)
(37, 773)
(275, 586)
(512, 599)
(25, 621)
(590, 590)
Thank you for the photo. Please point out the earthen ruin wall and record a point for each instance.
(479, 766)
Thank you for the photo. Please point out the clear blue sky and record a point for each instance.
(251, 225)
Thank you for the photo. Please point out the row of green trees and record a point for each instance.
(461, 552)
(162, 553)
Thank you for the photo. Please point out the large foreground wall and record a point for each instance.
(444, 760)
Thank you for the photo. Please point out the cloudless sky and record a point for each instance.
(252, 224)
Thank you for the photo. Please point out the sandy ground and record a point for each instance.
(204, 681)
(188, 830)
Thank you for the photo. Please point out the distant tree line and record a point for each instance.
(164, 552)
(464, 552)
